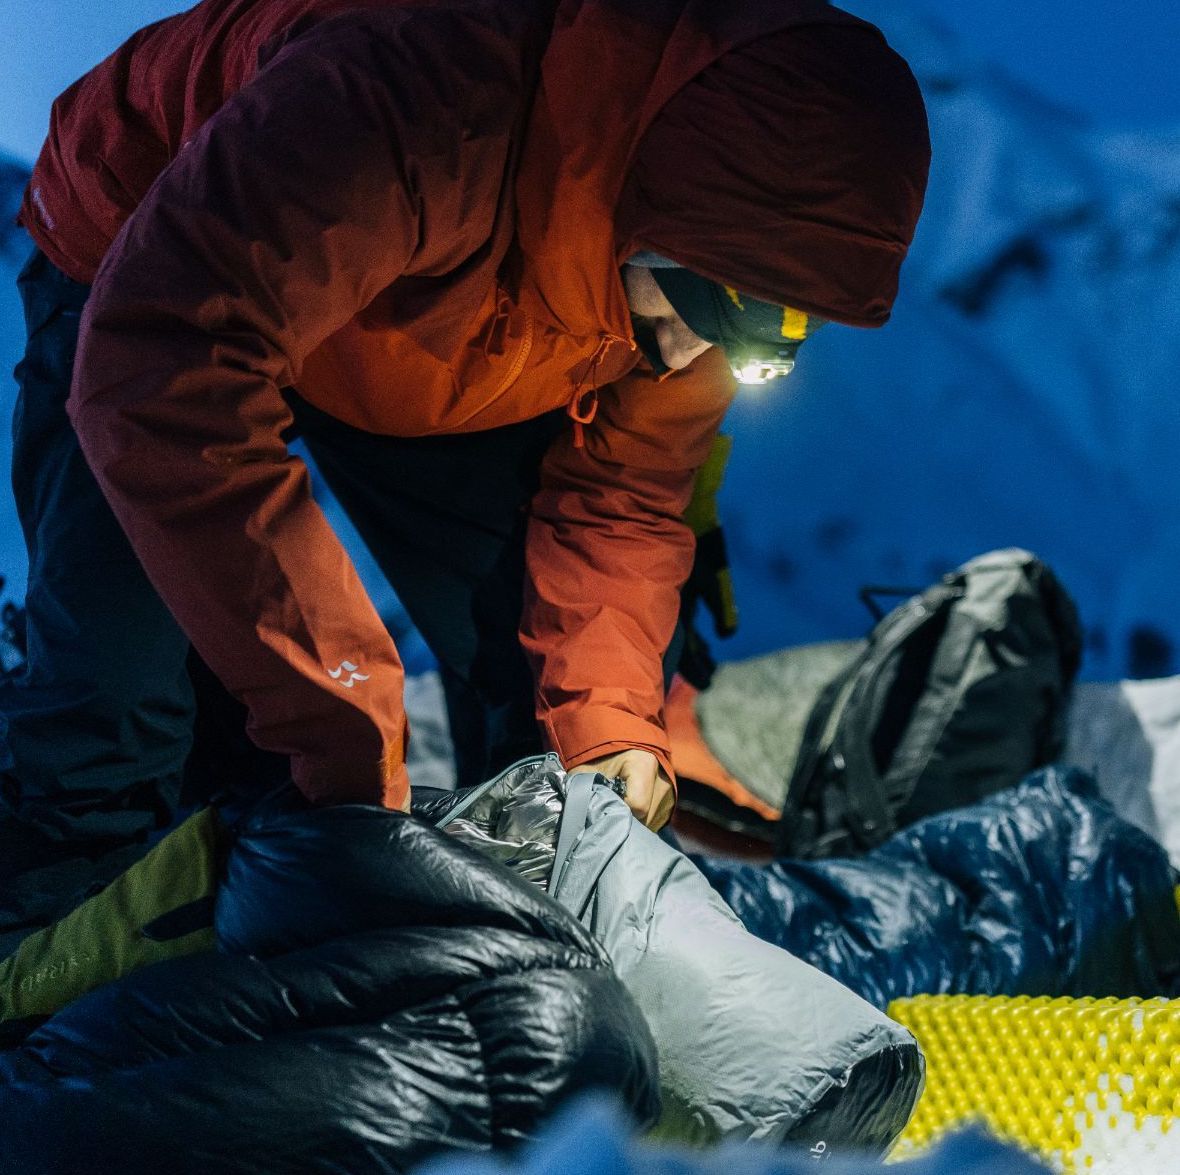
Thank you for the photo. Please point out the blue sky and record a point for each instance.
(1114, 63)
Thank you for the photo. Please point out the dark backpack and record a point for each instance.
(959, 692)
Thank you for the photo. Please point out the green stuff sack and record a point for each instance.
(160, 908)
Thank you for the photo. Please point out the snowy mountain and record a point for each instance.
(14, 248)
(1024, 392)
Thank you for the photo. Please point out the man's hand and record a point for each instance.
(649, 790)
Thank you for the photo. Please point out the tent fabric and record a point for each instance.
(1127, 735)
(379, 992)
(752, 1043)
(1041, 890)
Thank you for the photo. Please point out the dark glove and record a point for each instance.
(709, 582)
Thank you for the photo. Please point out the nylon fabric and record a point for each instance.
(750, 1038)
(752, 1043)
(515, 818)
(578, 794)
(1040, 890)
(826, 238)
(379, 993)
(124, 927)
(959, 692)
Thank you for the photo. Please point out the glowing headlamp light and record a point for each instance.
(759, 338)
(753, 372)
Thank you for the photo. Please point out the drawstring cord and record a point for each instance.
(582, 416)
(583, 405)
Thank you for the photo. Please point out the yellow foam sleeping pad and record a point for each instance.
(1091, 1086)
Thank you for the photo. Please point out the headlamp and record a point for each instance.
(759, 338)
(753, 371)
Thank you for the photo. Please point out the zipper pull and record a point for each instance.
(583, 416)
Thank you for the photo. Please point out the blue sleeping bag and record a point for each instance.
(1038, 890)
(591, 1137)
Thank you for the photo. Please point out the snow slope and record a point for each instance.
(1024, 393)
(14, 248)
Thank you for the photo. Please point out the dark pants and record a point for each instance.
(96, 730)
(96, 735)
(445, 518)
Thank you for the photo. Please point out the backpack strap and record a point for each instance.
(837, 742)
(872, 815)
(794, 827)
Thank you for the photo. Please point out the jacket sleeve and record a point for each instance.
(608, 551)
(291, 208)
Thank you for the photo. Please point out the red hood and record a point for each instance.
(779, 147)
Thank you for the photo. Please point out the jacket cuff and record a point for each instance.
(337, 780)
(595, 732)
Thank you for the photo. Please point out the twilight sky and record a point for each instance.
(1114, 63)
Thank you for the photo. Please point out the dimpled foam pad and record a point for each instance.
(1092, 1086)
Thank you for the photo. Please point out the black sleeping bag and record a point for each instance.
(1039, 890)
(379, 992)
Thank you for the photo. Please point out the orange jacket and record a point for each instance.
(407, 212)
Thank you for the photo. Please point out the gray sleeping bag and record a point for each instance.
(752, 1042)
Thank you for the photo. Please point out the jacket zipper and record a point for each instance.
(520, 359)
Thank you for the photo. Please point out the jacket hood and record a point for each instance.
(780, 148)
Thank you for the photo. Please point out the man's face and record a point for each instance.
(678, 345)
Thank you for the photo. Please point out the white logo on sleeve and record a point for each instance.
(353, 676)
